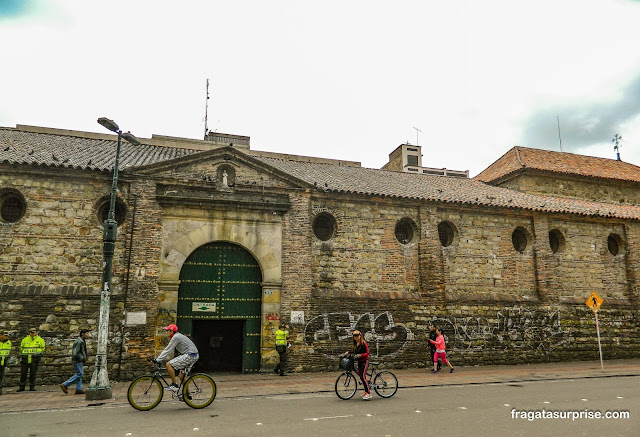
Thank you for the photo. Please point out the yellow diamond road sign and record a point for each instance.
(594, 301)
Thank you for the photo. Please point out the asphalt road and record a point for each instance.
(469, 410)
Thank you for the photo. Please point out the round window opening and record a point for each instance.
(556, 241)
(613, 244)
(121, 212)
(12, 207)
(446, 233)
(404, 231)
(324, 226)
(519, 240)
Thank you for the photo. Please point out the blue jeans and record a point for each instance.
(77, 377)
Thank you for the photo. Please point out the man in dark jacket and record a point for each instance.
(78, 358)
(432, 347)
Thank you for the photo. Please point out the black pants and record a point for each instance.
(282, 351)
(32, 368)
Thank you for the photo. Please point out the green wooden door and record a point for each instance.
(221, 281)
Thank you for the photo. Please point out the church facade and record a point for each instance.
(228, 242)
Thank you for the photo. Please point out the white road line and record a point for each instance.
(329, 417)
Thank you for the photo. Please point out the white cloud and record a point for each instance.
(347, 80)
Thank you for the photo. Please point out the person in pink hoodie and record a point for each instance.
(440, 352)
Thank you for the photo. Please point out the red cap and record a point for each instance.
(172, 327)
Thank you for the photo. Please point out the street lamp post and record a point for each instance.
(100, 388)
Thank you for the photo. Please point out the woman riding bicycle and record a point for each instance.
(361, 355)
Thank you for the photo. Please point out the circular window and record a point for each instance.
(446, 232)
(614, 244)
(121, 211)
(12, 207)
(519, 239)
(324, 226)
(405, 230)
(556, 241)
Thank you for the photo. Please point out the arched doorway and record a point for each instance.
(219, 307)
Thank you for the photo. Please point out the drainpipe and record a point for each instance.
(126, 284)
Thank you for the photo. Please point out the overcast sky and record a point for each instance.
(337, 79)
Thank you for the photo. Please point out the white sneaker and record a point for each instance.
(172, 387)
(367, 396)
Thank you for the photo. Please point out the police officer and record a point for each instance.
(31, 349)
(281, 346)
(5, 350)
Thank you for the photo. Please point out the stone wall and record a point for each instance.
(51, 265)
(572, 186)
(486, 333)
(496, 304)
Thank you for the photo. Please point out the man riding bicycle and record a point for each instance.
(186, 355)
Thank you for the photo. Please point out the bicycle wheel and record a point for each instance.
(346, 386)
(145, 393)
(385, 384)
(199, 390)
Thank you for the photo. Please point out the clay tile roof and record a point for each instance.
(358, 180)
(21, 147)
(520, 158)
(33, 148)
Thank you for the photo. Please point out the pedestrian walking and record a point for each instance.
(5, 350)
(440, 352)
(432, 346)
(282, 342)
(31, 349)
(78, 358)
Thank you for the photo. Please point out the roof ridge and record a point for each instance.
(517, 151)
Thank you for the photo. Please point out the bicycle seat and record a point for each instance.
(371, 363)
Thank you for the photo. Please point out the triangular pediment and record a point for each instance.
(225, 168)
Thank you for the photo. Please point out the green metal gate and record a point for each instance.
(222, 281)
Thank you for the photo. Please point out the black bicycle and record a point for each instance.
(384, 383)
(145, 392)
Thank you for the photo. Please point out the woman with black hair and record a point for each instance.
(440, 352)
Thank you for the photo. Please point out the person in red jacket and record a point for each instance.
(361, 355)
(440, 352)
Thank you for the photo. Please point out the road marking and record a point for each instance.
(328, 417)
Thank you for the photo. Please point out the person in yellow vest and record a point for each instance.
(5, 350)
(31, 349)
(282, 335)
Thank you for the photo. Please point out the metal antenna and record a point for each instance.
(559, 137)
(616, 140)
(417, 133)
(206, 113)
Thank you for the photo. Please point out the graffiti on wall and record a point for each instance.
(331, 333)
(514, 328)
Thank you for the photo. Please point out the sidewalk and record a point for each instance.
(249, 385)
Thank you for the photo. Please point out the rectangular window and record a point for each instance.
(412, 160)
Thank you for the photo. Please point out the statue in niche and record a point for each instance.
(225, 179)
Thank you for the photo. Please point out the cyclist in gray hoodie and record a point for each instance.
(186, 355)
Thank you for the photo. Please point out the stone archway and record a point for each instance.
(263, 240)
